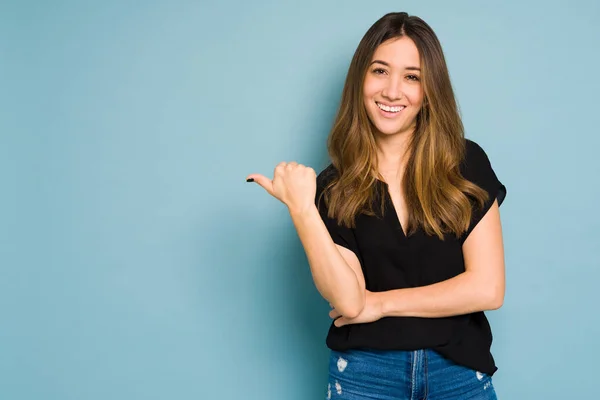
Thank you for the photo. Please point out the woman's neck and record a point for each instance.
(393, 154)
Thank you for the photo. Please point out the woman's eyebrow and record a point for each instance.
(411, 68)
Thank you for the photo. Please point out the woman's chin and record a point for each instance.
(390, 130)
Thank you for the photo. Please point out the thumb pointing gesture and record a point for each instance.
(293, 184)
(263, 181)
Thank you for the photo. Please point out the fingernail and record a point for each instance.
(250, 180)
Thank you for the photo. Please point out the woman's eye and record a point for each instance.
(379, 71)
(413, 77)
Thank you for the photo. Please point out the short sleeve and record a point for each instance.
(340, 234)
(477, 168)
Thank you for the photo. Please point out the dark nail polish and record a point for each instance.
(250, 180)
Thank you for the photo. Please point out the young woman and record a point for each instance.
(402, 230)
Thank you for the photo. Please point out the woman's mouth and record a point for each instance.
(390, 111)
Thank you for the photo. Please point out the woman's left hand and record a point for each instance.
(370, 313)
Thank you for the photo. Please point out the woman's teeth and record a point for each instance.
(390, 109)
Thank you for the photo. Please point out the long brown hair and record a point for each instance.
(436, 194)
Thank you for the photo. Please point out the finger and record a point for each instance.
(334, 314)
(340, 322)
(279, 170)
(263, 181)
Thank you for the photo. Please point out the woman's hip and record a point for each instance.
(401, 374)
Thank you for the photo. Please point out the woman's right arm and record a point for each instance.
(335, 269)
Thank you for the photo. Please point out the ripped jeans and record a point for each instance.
(403, 375)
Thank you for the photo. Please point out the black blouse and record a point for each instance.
(390, 260)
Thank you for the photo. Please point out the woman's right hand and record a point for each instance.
(295, 185)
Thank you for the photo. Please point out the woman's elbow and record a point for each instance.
(350, 312)
(494, 300)
(352, 309)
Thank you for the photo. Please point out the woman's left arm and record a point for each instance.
(479, 288)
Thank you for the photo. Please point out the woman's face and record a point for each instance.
(392, 90)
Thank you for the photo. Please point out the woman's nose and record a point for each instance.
(393, 90)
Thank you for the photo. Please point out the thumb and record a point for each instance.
(263, 181)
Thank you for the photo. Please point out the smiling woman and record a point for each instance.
(392, 88)
(402, 230)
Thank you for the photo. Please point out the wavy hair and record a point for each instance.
(436, 194)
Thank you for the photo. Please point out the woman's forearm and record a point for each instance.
(333, 277)
(463, 294)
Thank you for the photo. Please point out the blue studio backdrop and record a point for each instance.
(137, 263)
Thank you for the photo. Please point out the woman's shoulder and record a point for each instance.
(475, 160)
(477, 168)
(326, 175)
(473, 151)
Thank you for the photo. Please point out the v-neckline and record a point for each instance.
(395, 219)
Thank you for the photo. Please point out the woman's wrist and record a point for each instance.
(388, 303)
(303, 212)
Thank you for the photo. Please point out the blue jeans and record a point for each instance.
(404, 375)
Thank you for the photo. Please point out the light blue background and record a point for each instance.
(136, 263)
